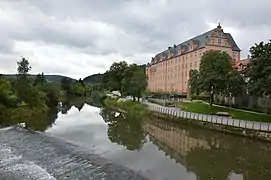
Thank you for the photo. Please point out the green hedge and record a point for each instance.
(200, 97)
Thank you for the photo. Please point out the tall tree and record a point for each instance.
(66, 84)
(127, 77)
(115, 75)
(236, 84)
(194, 82)
(138, 83)
(214, 67)
(23, 67)
(260, 70)
(84, 86)
(22, 84)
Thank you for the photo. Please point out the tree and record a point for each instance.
(214, 67)
(40, 79)
(84, 86)
(127, 77)
(78, 89)
(134, 82)
(23, 67)
(115, 75)
(260, 70)
(194, 82)
(236, 84)
(138, 83)
(66, 84)
(23, 84)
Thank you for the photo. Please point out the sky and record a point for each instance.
(78, 38)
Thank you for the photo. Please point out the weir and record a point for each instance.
(26, 154)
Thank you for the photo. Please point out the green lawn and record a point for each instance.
(199, 107)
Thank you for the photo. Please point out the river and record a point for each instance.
(160, 150)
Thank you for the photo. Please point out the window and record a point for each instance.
(219, 42)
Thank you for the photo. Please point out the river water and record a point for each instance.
(158, 149)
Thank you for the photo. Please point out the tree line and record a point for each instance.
(218, 76)
(22, 97)
(129, 80)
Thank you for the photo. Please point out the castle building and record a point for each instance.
(169, 70)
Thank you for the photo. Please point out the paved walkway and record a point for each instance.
(254, 125)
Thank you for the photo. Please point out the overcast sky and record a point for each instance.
(81, 37)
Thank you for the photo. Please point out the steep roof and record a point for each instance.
(232, 42)
(200, 40)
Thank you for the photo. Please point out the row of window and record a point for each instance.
(178, 59)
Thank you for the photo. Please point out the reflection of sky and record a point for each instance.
(87, 129)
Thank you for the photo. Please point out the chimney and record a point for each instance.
(169, 47)
(248, 56)
(174, 46)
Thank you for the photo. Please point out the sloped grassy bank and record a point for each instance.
(129, 106)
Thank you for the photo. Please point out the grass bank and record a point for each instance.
(129, 106)
(199, 107)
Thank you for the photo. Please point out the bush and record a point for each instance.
(201, 97)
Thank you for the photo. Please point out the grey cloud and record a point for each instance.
(132, 28)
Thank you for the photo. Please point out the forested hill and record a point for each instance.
(49, 78)
(97, 78)
(93, 79)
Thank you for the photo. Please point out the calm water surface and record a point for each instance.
(159, 149)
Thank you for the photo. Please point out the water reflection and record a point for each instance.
(212, 155)
(124, 129)
(161, 150)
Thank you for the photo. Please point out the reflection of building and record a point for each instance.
(169, 70)
(175, 138)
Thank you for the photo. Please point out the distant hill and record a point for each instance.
(50, 78)
(93, 79)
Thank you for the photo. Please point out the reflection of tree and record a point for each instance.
(124, 129)
(43, 121)
(66, 106)
(219, 162)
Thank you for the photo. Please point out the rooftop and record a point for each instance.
(199, 42)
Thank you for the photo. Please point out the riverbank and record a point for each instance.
(224, 124)
(128, 106)
(254, 134)
(20, 113)
(203, 108)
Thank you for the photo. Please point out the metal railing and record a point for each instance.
(253, 125)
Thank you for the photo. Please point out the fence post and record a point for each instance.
(268, 126)
(239, 123)
(246, 125)
(252, 124)
(260, 126)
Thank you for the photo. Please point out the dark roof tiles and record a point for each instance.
(200, 42)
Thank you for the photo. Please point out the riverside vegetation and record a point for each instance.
(24, 97)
